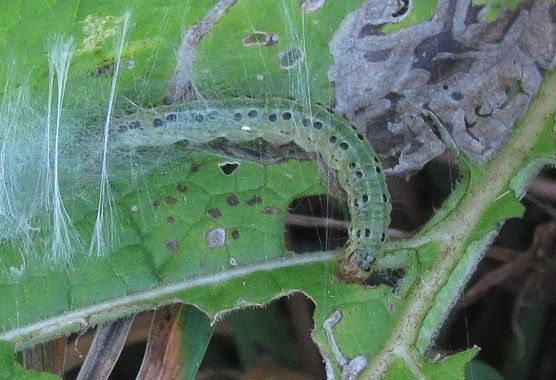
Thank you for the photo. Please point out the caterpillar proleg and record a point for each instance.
(281, 121)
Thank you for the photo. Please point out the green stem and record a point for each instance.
(459, 247)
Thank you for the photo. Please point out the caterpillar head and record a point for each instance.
(355, 266)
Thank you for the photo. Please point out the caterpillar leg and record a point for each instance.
(355, 265)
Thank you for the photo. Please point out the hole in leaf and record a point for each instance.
(316, 223)
(258, 38)
(404, 7)
(389, 277)
(291, 58)
(228, 167)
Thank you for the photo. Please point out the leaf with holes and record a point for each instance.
(203, 229)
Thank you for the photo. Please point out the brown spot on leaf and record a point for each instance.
(232, 200)
(196, 167)
(215, 212)
(156, 203)
(172, 244)
(235, 234)
(255, 199)
(105, 70)
(170, 219)
(272, 210)
(181, 188)
(170, 200)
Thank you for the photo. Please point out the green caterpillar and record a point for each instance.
(278, 121)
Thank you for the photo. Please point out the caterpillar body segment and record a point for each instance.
(280, 121)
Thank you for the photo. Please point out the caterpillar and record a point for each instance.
(280, 121)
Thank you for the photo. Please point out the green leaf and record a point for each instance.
(264, 331)
(186, 231)
(163, 236)
(11, 370)
(262, 69)
(477, 370)
(423, 11)
(196, 333)
(494, 8)
(6, 360)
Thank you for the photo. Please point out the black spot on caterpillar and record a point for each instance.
(280, 121)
